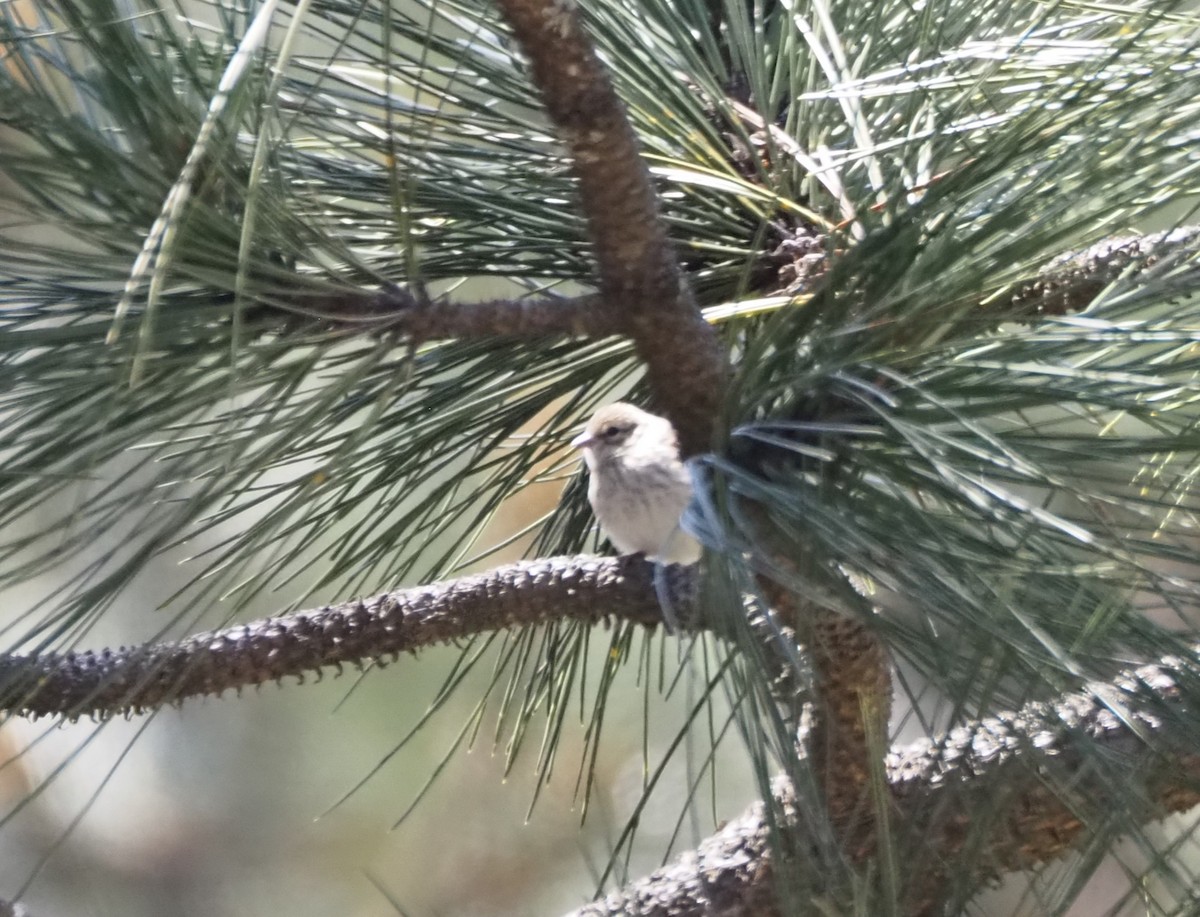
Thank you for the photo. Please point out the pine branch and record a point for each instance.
(842, 722)
(853, 697)
(1039, 757)
(1071, 281)
(1032, 782)
(1066, 285)
(396, 310)
(640, 280)
(729, 874)
(850, 707)
(109, 682)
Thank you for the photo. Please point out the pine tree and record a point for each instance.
(914, 282)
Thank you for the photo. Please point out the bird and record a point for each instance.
(638, 486)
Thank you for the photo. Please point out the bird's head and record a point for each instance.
(617, 429)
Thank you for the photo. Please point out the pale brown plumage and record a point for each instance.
(638, 487)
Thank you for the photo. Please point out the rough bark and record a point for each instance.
(1056, 764)
(640, 280)
(134, 679)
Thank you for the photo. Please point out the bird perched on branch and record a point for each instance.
(639, 488)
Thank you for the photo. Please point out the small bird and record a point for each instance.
(639, 488)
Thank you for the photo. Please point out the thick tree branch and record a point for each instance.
(728, 875)
(848, 740)
(1088, 754)
(1030, 782)
(640, 280)
(850, 705)
(109, 682)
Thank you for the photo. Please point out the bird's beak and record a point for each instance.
(583, 440)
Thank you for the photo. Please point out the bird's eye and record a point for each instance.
(612, 431)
